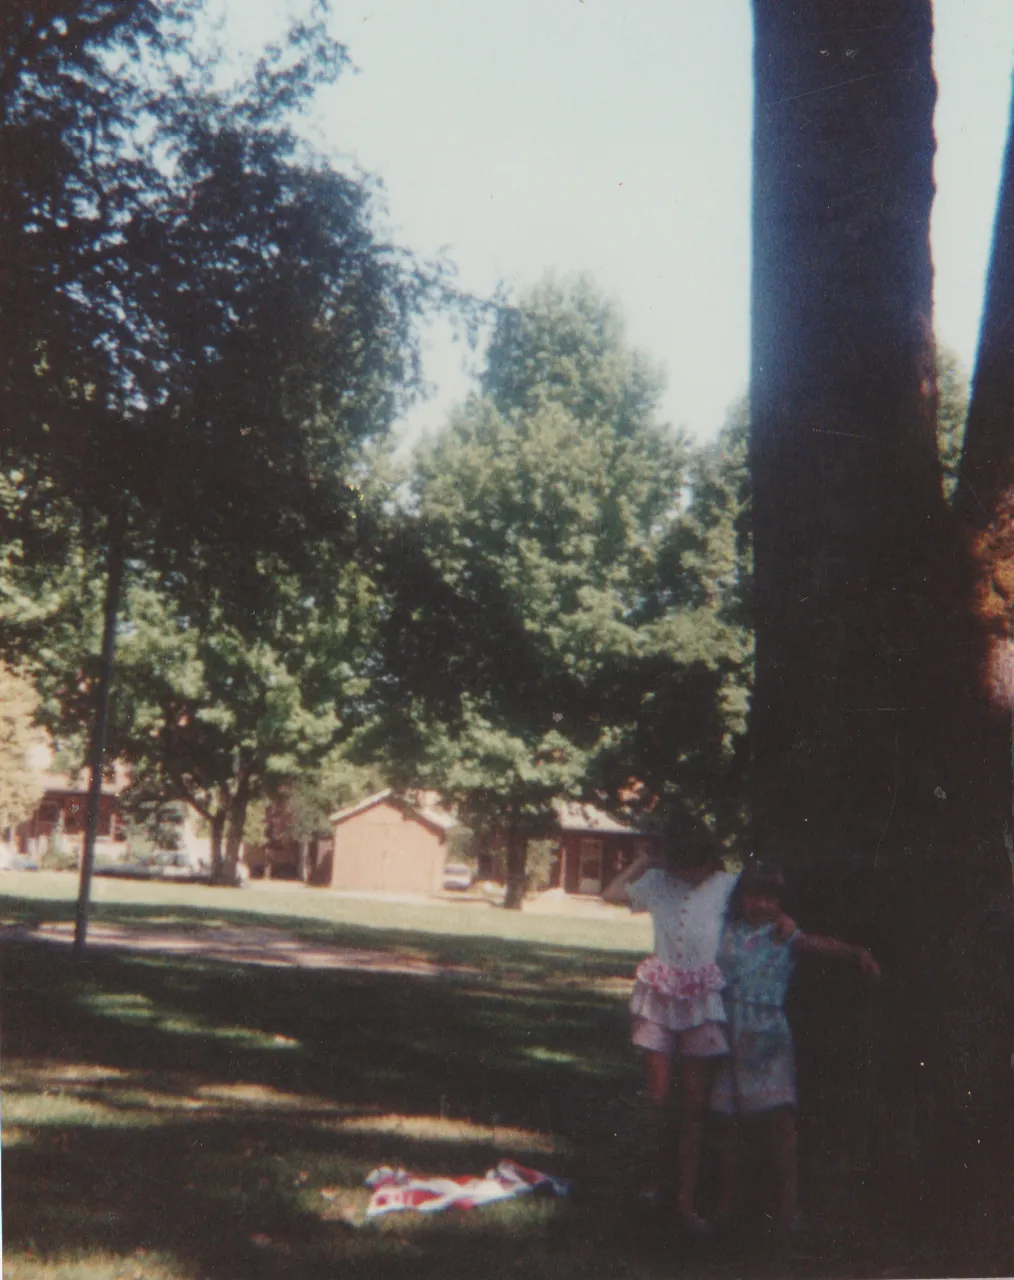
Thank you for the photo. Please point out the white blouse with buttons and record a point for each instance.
(687, 918)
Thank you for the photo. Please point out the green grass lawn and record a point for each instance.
(181, 1117)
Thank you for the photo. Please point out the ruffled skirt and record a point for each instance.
(677, 998)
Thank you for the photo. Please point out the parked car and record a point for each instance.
(125, 870)
(176, 865)
(163, 865)
(10, 861)
(458, 876)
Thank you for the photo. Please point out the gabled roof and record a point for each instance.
(431, 814)
(340, 815)
(574, 816)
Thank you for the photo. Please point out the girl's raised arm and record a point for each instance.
(616, 890)
(816, 945)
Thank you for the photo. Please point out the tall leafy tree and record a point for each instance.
(212, 323)
(562, 643)
(221, 718)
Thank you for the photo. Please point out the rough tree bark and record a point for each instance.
(873, 772)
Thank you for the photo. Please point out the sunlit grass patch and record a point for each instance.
(140, 1265)
(58, 1094)
(16, 1136)
(70, 1073)
(242, 1095)
(551, 1055)
(60, 1109)
(131, 1006)
(442, 1129)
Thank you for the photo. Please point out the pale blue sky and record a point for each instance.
(613, 137)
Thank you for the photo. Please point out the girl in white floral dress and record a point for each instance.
(677, 1010)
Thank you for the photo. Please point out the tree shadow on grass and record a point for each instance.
(493, 956)
(253, 1196)
(407, 1043)
(190, 1108)
(199, 1109)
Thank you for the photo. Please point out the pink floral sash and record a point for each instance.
(684, 984)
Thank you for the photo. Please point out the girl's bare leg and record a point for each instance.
(656, 1072)
(783, 1122)
(658, 1136)
(729, 1160)
(698, 1075)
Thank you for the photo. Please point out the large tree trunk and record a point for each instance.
(847, 497)
(871, 775)
(234, 829)
(97, 748)
(517, 858)
(217, 833)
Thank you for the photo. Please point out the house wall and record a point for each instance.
(277, 860)
(616, 852)
(67, 809)
(384, 850)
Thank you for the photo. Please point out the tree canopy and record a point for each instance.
(205, 324)
(218, 323)
(576, 643)
(220, 719)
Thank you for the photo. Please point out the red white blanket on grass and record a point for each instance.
(395, 1190)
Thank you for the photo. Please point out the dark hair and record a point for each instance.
(756, 877)
(689, 842)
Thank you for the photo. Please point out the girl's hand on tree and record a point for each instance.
(785, 927)
(867, 965)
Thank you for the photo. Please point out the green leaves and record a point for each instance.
(20, 741)
(198, 320)
(584, 571)
(217, 717)
(952, 410)
(200, 329)
(564, 344)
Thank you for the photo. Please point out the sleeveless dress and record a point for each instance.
(760, 1072)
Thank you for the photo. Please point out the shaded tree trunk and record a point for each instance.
(873, 776)
(848, 509)
(234, 828)
(517, 857)
(97, 746)
(216, 836)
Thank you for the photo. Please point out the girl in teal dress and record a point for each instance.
(758, 1078)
